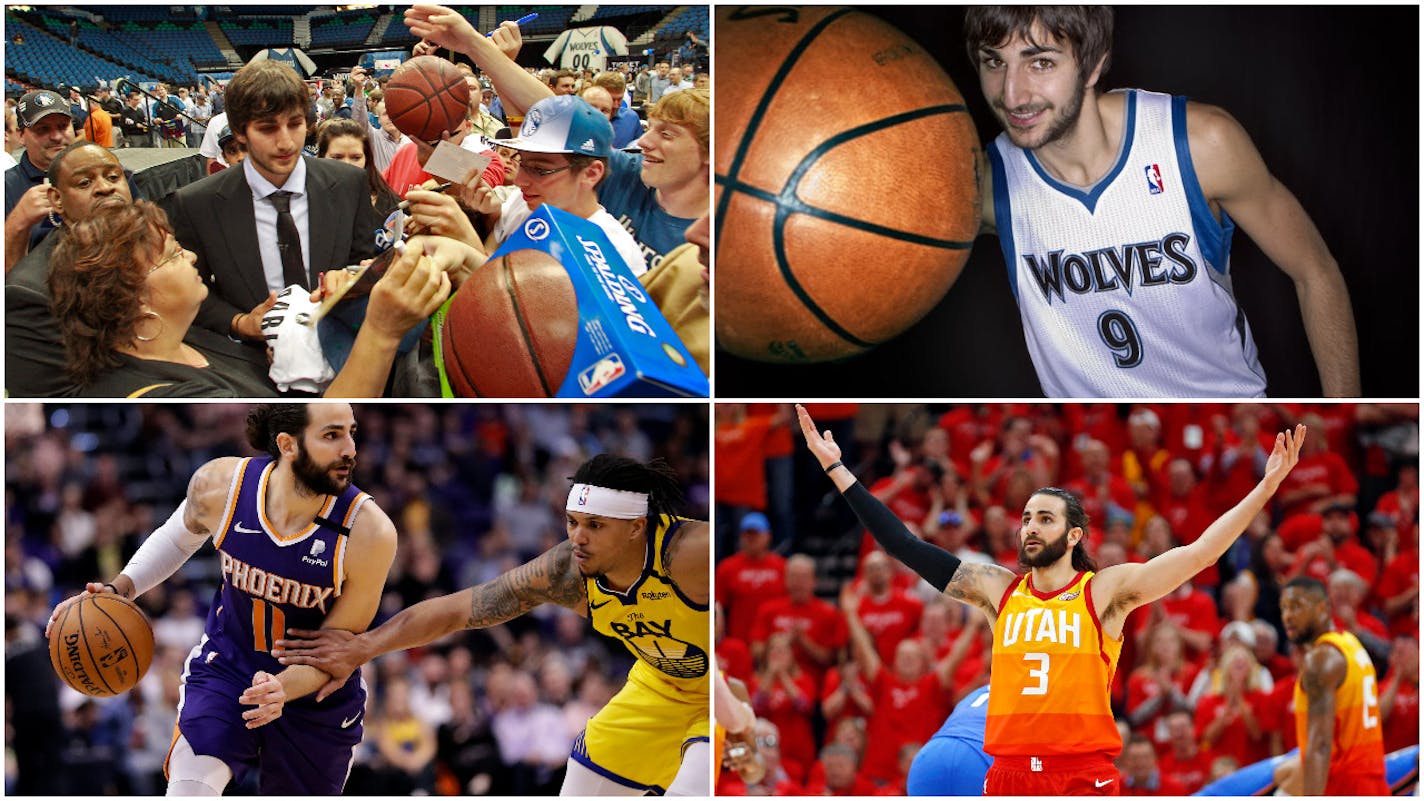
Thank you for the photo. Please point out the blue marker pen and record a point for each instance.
(520, 21)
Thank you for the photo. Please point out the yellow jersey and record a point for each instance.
(667, 632)
(1357, 750)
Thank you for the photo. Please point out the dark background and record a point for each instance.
(1329, 95)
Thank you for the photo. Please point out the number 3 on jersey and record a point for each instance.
(261, 638)
(1120, 334)
(1040, 673)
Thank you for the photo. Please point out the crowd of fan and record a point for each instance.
(847, 691)
(474, 491)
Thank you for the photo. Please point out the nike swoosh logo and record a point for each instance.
(1097, 783)
(239, 529)
(346, 724)
(592, 606)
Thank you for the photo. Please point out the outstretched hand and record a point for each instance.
(823, 445)
(1284, 456)
(327, 650)
(441, 26)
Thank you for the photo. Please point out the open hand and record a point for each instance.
(823, 446)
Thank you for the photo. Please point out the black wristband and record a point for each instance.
(834, 465)
(112, 588)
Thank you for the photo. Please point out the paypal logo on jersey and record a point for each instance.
(1141, 264)
(1154, 179)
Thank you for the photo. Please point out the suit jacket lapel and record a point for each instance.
(321, 218)
(237, 224)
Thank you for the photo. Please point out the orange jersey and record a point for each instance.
(1052, 668)
(1358, 747)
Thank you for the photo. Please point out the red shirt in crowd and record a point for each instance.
(791, 712)
(1165, 785)
(405, 173)
(821, 622)
(1143, 686)
(1191, 773)
(741, 457)
(1277, 713)
(1401, 728)
(905, 712)
(744, 583)
(1399, 575)
(1326, 468)
(734, 658)
(890, 619)
(1234, 740)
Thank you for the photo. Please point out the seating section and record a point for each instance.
(343, 29)
(42, 59)
(692, 18)
(270, 32)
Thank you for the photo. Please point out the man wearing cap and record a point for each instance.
(750, 577)
(1336, 547)
(638, 572)
(45, 128)
(563, 148)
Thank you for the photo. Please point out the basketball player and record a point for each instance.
(640, 574)
(1337, 714)
(299, 545)
(953, 762)
(1115, 213)
(1057, 630)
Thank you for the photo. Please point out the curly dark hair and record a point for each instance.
(656, 478)
(266, 421)
(97, 275)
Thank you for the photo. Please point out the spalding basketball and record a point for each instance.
(101, 645)
(427, 96)
(842, 216)
(510, 331)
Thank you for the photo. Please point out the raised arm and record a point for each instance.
(551, 577)
(1123, 588)
(1233, 174)
(980, 586)
(445, 27)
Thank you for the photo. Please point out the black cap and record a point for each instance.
(37, 105)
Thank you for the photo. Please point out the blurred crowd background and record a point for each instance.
(474, 491)
(1204, 684)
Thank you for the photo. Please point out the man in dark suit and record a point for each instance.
(279, 219)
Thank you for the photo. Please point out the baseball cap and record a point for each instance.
(1338, 506)
(37, 105)
(1382, 519)
(564, 124)
(755, 521)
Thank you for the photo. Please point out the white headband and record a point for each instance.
(606, 502)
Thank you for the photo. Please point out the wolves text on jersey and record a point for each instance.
(272, 587)
(1142, 264)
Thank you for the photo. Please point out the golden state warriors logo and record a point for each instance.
(654, 643)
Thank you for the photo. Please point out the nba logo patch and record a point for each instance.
(583, 497)
(1154, 179)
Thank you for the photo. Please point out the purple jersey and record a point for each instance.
(270, 582)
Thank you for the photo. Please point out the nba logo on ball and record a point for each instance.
(583, 496)
(1154, 179)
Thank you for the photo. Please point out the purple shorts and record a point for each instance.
(306, 751)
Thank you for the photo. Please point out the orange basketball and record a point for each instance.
(847, 196)
(101, 645)
(427, 96)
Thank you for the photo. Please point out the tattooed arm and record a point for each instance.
(551, 577)
(171, 544)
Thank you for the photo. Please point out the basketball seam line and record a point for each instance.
(98, 674)
(460, 363)
(524, 329)
(788, 197)
(802, 207)
(133, 652)
(772, 88)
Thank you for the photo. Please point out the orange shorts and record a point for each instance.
(1357, 784)
(1051, 776)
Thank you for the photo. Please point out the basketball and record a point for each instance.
(101, 645)
(510, 331)
(847, 196)
(427, 96)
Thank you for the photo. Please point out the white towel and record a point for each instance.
(297, 361)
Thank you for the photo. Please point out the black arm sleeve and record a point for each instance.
(934, 564)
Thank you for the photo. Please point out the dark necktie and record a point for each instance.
(289, 241)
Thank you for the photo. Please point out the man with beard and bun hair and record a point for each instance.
(299, 545)
(1337, 712)
(1058, 629)
(1115, 213)
(640, 574)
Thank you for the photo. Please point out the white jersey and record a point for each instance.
(586, 48)
(1124, 287)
